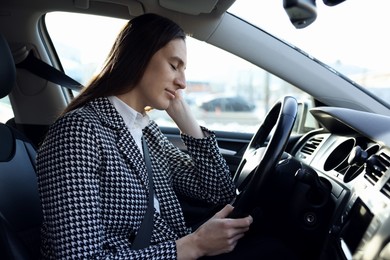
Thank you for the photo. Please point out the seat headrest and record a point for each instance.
(7, 141)
(7, 68)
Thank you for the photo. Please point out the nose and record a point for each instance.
(180, 81)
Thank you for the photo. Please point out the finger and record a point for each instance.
(240, 222)
(238, 236)
(237, 232)
(223, 213)
(179, 93)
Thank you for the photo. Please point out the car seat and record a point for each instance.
(20, 208)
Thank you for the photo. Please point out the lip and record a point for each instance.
(172, 93)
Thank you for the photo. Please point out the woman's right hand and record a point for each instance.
(216, 236)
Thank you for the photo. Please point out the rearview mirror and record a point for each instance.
(332, 2)
(301, 12)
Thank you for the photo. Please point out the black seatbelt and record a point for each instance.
(48, 72)
(144, 233)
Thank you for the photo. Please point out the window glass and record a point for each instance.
(354, 46)
(225, 92)
(82, 41)
(6, 111)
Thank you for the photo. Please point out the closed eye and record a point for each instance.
(173, 67)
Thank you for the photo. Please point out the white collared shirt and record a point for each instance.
(135, 122)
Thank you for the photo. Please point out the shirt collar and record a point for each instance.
(131, 117)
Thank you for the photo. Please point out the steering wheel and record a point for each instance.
(260, 159)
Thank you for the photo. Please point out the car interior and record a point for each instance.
(314, 174)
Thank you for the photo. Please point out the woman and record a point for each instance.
(91, 171)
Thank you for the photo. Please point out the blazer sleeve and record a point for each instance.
(68, 165)
(203, 173)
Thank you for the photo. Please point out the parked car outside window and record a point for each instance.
(227, 104)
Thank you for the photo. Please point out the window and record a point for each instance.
(6, 111)
(224, 91)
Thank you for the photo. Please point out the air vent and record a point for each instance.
(311, 145)
(376, 166)
(386, 188)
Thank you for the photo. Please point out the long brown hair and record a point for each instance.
(125, 65)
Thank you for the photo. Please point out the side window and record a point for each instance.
(6, 111)
(225, 92)
(82, 41)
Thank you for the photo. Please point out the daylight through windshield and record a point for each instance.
(347, 37)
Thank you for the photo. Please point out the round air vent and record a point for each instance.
(339, 157)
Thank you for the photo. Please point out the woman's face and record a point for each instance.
(163, 76)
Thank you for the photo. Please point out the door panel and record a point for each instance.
(232, 145)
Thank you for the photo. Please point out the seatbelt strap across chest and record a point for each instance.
(144, 233)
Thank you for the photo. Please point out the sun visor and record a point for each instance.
(193, 7)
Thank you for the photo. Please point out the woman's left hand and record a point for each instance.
(177, 105)
(181, 114)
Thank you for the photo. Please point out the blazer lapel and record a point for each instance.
(132, 155)
(129, 150)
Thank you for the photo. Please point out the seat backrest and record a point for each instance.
(20, 208)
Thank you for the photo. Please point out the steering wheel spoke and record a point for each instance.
(249, 163)
(263, 153)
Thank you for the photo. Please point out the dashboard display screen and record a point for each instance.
(358, 220)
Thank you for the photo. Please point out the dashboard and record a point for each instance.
(352, 151)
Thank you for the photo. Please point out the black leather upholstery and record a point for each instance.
(7, 68)
(20, 208)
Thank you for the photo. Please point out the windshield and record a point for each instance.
(350, 37)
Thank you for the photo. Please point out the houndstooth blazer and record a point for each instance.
(94, 186)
